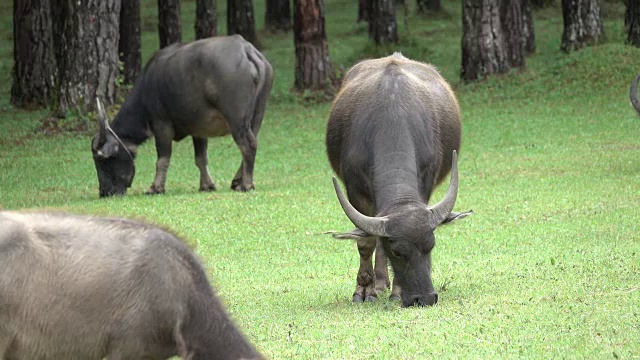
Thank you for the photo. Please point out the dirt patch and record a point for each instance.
(51, 125)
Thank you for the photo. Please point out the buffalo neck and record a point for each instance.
(133, 119)
(221, 337)
(210, 331)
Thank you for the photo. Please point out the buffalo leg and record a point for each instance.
(396, 291)
(365, 282)
(248, 144)
(202, 160)
(255, 117)
(163, 149)
(381, 268)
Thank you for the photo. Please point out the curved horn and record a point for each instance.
(104, 124)
(633, 94)
(442, 209)
(371, 225)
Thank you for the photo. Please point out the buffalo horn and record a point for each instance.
(633, 94)
(371, 225)
(102, 119)
(442, 209)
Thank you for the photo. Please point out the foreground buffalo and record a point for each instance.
(206, 88)
(74, 287)
(633, 94)
(392, 136)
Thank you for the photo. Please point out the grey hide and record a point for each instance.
(392, 136)
(78, 287)
(207, 88)
(633, 94)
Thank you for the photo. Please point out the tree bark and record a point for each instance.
(364, 10)
(633, 22)
(484, 49)
(206, 20)
(278, 15)
(512, 23)
(528, 34)
(129, 44)
(542, 3)
(34, 64)
(169, 24)
(582, 24)
(428, 5)
(383, 28)
(313, 66)
(58, 15)
(240, 20)
(89, 54)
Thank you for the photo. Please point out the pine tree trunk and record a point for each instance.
(364, 10)
(484, 50)
(34, 69)
(129, 44)
(169, 24)
(582, 24)
(278, 15)
(428, 5)
(512, 23)
(313, 66)
(383, 28)
(528, 35)
(89, 54)
(58, 15)
(633, 22)
(542, 3)
(240, 20)
(206, 20)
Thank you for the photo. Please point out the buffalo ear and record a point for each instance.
(109, 149)
(355, 234)
(456, 216)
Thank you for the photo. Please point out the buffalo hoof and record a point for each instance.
(394, 297)
(208, 188)
(153, 191)
(357, 298)
(242, 187)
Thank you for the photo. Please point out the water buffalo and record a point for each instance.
(79, 287)
(392, 136)
(633, 94)
(206, 88)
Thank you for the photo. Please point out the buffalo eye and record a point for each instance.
(394, 250)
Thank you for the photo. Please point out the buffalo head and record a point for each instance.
(113, 159)
(633, 94)
(406, 232)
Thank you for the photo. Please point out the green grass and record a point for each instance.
(547, 267)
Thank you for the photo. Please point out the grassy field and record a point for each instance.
(547, 267)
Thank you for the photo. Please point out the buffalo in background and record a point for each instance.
(203, 89)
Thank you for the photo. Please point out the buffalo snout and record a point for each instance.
(420, 300)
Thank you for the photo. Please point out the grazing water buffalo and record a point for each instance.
(206, 88)
(633, 94)
(392, 136)
(76, 287)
